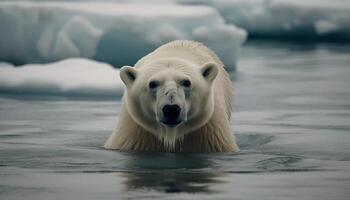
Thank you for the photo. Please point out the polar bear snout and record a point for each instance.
(171, 115)
(171, 112)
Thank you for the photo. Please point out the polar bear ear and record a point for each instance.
(209, 71)
(128, 75)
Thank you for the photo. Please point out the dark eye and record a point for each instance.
(153, 84)
(186, 83)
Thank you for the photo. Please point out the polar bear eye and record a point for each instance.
(153, 84)
(186, 83)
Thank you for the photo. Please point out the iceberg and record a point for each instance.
(116, 33)
(300, 20)
(70, 77)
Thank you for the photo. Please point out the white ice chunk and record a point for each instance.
(286, 19)
(119, 34)
(64, 47)
(82, 35)
(166, 33)
(74, 76)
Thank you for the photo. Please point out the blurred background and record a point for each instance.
(60, 96)
(120, 32)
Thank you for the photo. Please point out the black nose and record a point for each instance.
(171, 112)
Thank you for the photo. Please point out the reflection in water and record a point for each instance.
(168, 161)
(170, 173)
(172, 182)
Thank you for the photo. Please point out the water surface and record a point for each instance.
(291, 118)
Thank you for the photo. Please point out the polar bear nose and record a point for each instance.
(171, 112)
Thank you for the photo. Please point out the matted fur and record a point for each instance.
(214, 136)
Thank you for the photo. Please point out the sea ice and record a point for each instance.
(73, 76)
(286, 19)
(119, 34)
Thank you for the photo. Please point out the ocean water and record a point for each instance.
(291, 119)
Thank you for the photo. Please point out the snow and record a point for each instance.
(116, 33)
(286, 19)
(74, 76)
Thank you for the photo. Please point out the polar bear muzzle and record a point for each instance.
(171, 115)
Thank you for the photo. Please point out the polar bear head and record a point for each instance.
(170, 97)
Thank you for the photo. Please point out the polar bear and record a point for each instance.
(178, 98)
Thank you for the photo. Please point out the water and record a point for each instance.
(291, 118)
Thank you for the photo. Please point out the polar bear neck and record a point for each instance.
(169, 137)
(214, 136)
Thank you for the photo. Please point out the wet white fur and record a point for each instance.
(207, 131)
